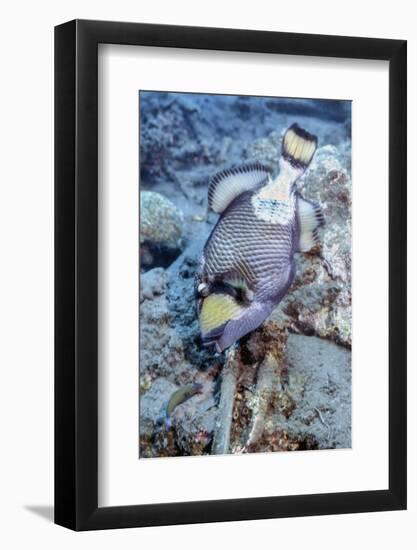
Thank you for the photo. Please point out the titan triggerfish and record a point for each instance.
(248, 265)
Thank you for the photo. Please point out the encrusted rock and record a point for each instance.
(161, 227)
(319, 301)
(191, 423)
(161, 348)
(319, 381)
(184, 141)
(266, 150)
(152, 405)
(152, 283)
(194, 422)
(301, 401)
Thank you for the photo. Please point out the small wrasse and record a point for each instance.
(177, 398)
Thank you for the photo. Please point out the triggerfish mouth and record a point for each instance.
(248, 263)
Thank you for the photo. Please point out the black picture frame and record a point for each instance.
(76, 272)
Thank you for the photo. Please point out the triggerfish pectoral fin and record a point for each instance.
(310, 219)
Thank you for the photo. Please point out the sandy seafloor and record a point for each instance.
(288, 386)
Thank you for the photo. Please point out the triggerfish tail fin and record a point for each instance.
(310, 219)
(225, 186)
(298, 147)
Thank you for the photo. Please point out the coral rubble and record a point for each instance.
(286, 386)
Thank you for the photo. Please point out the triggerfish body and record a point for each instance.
(178, 397)
(248, 263)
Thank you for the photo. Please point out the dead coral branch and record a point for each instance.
(221, 438)
(268, 375)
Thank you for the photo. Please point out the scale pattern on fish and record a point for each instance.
(247, 265)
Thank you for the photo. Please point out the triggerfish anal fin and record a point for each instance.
(225, 186)
(310, 218)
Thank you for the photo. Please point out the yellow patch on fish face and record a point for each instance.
(216, 310)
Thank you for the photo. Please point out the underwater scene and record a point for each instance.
(245, 274)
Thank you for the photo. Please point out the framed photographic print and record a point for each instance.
(230, 275)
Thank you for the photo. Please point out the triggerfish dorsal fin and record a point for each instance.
(298, 146)
(225, 186)
(310, 218)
